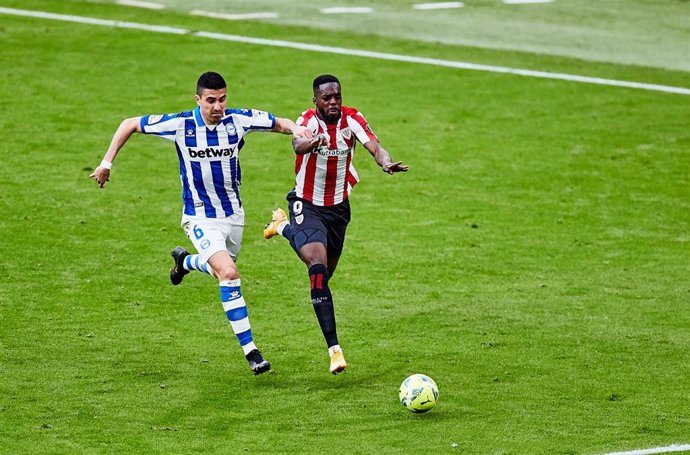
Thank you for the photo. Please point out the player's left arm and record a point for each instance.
(383, 158)
(360, 127)
(287, 126)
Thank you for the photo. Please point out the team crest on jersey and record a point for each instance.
(230, 128)
(347, 134)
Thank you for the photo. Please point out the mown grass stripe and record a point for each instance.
(352, 52)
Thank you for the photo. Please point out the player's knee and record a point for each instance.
(228, 272)
(312, 255)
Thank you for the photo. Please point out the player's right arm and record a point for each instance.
(303, 145)
(122, 134)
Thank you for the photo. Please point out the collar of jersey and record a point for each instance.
(200, 120)
(197, 116)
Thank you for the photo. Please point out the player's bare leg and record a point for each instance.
(235, 308)
(314, 255)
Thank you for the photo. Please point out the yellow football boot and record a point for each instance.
(338, 363)
(271, 229)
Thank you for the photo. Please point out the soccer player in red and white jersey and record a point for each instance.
(319, 205)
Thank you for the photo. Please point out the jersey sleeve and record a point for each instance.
(359, 125)
(162, 125)
(253, 120)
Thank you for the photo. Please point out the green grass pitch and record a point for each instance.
(535, 261)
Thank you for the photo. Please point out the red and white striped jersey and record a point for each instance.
(325, 177)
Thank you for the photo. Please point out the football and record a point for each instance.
(418, 393)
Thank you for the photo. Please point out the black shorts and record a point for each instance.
(311, 223)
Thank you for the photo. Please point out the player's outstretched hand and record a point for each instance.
(101, 175)
(392, 168)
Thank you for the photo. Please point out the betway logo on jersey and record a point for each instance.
(211, 152)
(325, 151)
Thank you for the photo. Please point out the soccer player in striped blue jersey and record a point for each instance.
(208, 140)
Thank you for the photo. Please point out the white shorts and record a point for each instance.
(211, 235)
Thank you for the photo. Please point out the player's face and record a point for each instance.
(212, 104)
(329, 101)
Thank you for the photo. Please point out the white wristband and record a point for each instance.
(106, 164)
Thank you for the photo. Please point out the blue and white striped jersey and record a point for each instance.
(209, 155)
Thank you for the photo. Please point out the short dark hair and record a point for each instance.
(324, 79)
(211, 81)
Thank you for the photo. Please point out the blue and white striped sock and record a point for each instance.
(192, 262)
(236, 311)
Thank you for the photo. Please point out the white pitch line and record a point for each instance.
(138, 4)
(669, 449)
(525, 2)
(347, 10)
(234, 17)
(441, 5)
(345, 51)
